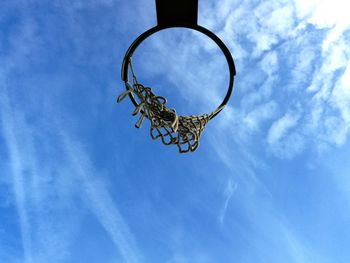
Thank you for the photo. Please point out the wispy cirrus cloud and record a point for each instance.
(231, 187)
(100, 202)
(281, 128)
(28, 178)
(17, 173)
(297, 98)
(36, 186)
(301, 52)
(47, 188)
(36, 189)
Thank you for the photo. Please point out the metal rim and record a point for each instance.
(208, 33)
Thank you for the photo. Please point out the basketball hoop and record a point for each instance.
(172, 129)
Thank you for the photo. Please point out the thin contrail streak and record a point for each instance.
(8, 130)
(101, 202)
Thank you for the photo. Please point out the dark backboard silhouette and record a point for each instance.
(177, 12)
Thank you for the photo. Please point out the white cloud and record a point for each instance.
(231, 188)
(341, 100)
(324, 13)
(282, 140)
(281, 127)
(259, 115)
(269, 63)
(318, 66)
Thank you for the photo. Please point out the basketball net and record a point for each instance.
(172, 129)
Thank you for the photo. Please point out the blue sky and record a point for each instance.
(269, 183)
